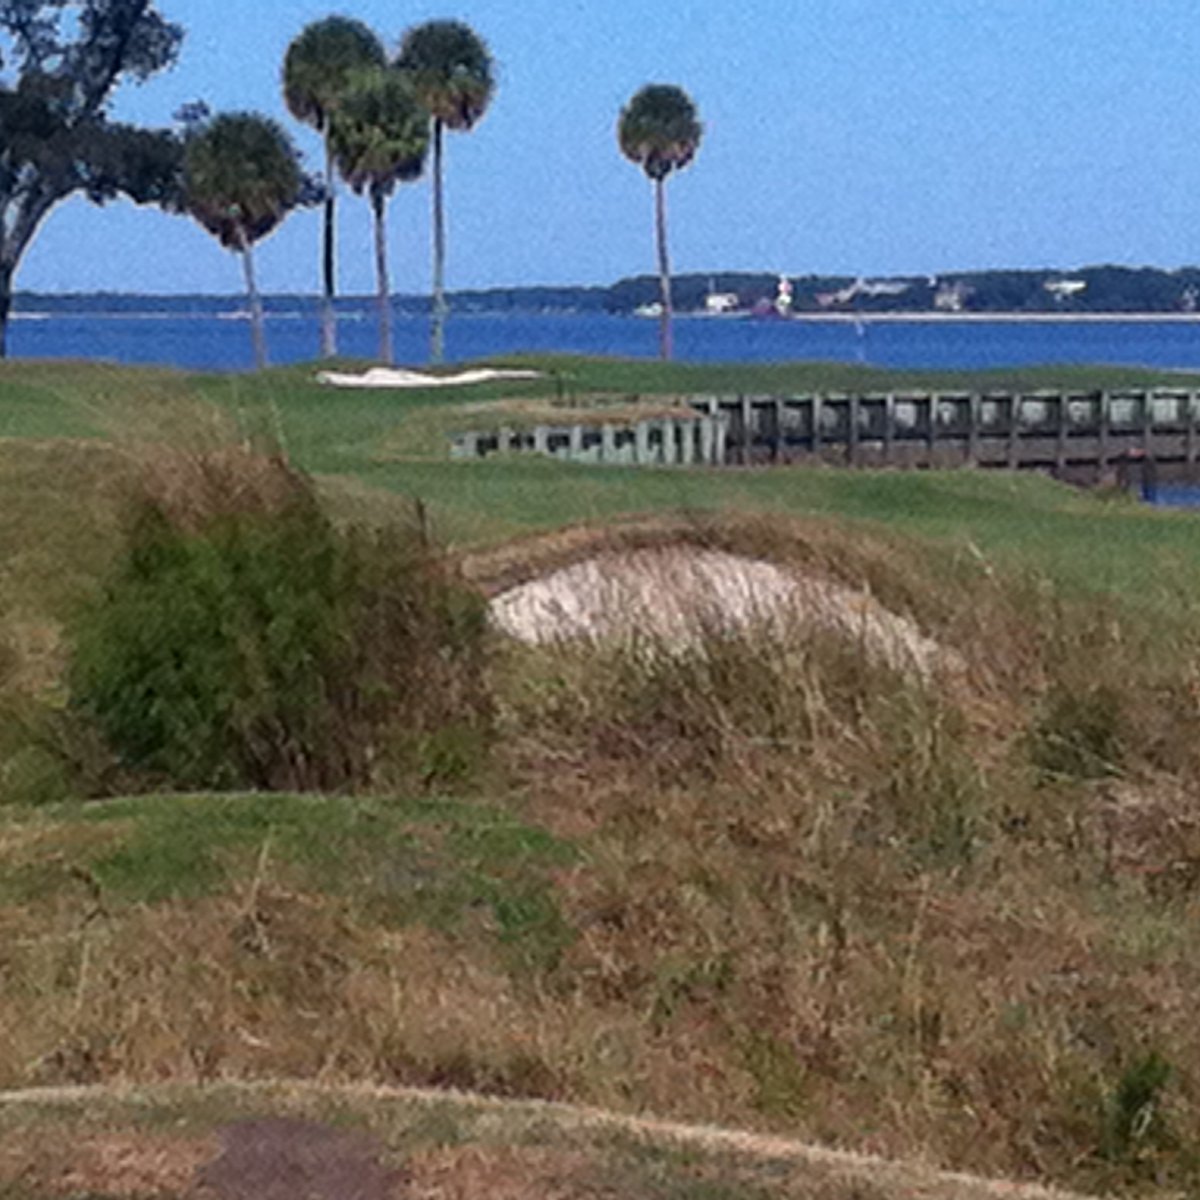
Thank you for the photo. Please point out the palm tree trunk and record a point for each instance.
(386, 351)
(437, 350)
(328, 261)
(257, 333)
(665, 338)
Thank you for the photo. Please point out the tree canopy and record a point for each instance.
(659, 129)
(380, 133)
(241, 177)
(58, 69)
(60, 61)
(452, 70)
(320, 61)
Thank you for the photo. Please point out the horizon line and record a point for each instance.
(505, 287)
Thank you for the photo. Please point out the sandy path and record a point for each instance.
(912, 1181)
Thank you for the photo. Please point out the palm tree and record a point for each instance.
(316, 68)
(452, 71)
(660, 131)
(241, 178)
(380, 136)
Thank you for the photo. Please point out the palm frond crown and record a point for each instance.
(452, 70)
(319, 62)
(241, 177)
(659, 129)
(380, 131)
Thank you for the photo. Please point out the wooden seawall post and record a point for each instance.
(1074, 435)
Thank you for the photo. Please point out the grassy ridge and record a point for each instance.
(430, 860)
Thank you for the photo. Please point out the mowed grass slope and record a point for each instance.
(377, 451)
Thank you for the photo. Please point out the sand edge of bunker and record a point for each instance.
(672, 582)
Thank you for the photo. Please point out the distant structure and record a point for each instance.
(783, 297)
(862, 287)
(1063, 289)
(952, 297)
(717, 303)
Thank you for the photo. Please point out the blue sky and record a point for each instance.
(856, 136)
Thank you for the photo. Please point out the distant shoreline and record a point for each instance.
(967, 317)
(169, 312)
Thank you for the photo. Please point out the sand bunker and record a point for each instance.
(677, 594)
(390, 377)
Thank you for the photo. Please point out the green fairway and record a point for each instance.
(1022, 520)
(376, 447)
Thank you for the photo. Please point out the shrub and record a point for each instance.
(1132, 1120)
(260, 646)
(1080, 734)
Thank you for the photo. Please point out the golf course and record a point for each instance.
(889, 892)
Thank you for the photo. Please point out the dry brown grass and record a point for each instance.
(949, 922)
(957, 918)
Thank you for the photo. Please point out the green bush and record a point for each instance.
(263, 647)
(1080, 734)
(1133, 1122)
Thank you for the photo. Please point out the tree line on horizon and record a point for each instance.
(239, 174)
(1110, 289)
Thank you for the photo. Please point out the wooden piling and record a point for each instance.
(974, 421)
(886, 429)
(641, 443)
(669, 444)
(1103, 448)
(1190, 435)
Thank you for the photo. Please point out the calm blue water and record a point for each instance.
(1172, 495)
(223, 343)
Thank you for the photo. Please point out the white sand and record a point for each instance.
(394, 377)
(676, 594)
